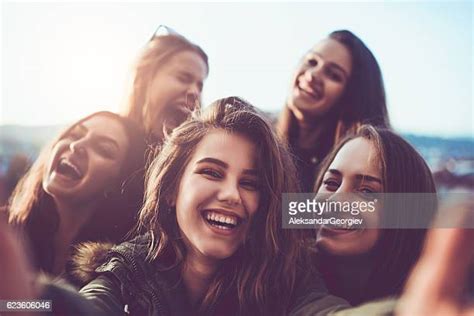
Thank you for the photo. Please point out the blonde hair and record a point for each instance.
(155, 54)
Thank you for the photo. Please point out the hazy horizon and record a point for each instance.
(62, 61)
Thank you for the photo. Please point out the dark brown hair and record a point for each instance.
(397, 250)
(33, 209)
(362, 102)
(270, 253)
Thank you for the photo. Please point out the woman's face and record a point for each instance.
(218, 195)
(320, 80)
(355, 170)
(172, 93)
(86, 161)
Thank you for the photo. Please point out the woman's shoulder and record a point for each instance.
(124, 275)
(93, 258)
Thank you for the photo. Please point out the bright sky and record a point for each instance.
(61, 61)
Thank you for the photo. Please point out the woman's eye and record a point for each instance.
(73, 135)
(367, 192)
(251, 185)
(334, 76)
(312, 62)
(184, 79)
(212, 173)
(105, 151)
(331, 184)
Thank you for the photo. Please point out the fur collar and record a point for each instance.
(86, 258)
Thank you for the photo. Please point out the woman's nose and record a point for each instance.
(78, 147)
(314, 72)
(193, 96)
(230, 194)
(345, 187)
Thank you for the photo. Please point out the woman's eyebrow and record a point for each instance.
(335, 172)
(251, 172)
(224, 165)
(339, 68)
(106, 139)
(214, 161)
(368, 178)
(364, 177)
(332, 64)
(79, 126)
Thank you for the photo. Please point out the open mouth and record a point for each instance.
(68, 170)
(176, 117)
(225, 222)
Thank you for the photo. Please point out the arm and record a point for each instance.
(105, 293)
(436, 284)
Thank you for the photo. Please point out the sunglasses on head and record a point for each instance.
(163, 30)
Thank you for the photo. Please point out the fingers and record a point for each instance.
(437, 281)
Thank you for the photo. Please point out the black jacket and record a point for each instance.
(124, 282)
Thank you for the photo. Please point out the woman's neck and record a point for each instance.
(71, 219)
(309, 133)
(198, 272)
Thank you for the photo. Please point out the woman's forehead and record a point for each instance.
(358, 156)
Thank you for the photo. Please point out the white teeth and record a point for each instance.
(76, 170)
(217, 217)
(223, 227)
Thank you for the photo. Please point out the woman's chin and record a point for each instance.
(308, 109)
(218, 253)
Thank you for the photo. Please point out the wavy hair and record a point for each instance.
(270, 253)
(33, 209)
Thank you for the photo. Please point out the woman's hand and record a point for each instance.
(438, 279)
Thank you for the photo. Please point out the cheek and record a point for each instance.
(369, 239)
(171, 88)
(335, 90)
(251, 201)
(103, 172)
(195, 194)
(299, 73)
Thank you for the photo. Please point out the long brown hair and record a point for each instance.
(33, 209)
(362, 102)
(270, 254)
(397, 250)
(157, 52)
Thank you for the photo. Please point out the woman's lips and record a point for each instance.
(306, 89)
(176, 116)
(67, 170)
(222, 224)
(333, 231)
